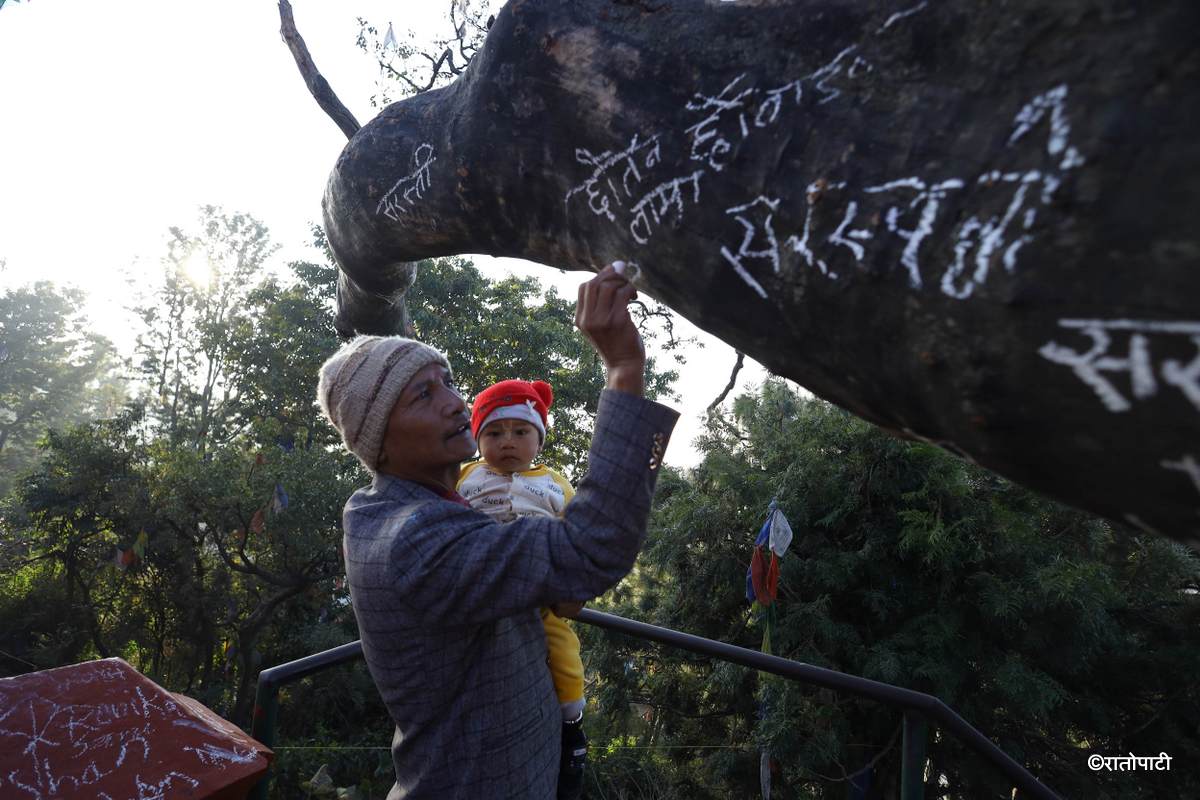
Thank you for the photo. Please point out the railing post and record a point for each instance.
(262, 726)
(912, 766)
(266, 696)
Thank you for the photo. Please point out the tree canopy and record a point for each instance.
(54, 371)
(195, 531)
(1051, 631)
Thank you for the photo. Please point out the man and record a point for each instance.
(446, 599)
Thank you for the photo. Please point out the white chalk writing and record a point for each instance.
(708, 143)
(910, 207)
(990, 235)
(654, 207)
(768, 247)
(1094, 365)
(158, 790)
(64, 748)
(714, 137)
(600, 189)
(1053, 101)
(1188, 465)
(899, 15)
(832, 70)
(928, 199)
(801, 244)
(855, 219)
(405, 192)
(211, 754)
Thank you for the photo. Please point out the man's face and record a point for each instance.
(509, 445)
(428, 430)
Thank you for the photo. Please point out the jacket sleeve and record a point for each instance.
(439, 561)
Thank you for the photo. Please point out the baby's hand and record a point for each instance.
(568, 609)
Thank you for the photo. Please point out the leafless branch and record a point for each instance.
(318, 87)
(737, 367)
(245, 565)
(645, 313)
(878, 756)
(20, 564)
(447, 56)
(395, 73)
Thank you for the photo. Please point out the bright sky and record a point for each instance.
(121, 118)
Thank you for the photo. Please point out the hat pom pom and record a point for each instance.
(543, 390)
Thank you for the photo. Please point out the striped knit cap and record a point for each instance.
(360, 384)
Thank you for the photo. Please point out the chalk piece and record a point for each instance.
(619, 267)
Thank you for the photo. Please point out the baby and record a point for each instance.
(509, 422)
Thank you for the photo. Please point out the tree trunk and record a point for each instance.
(971, 223)
(247, 638)
(243, 703)
(88, 609)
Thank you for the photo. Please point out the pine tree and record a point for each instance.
(1054, 633)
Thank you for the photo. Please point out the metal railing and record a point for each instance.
(919, 708)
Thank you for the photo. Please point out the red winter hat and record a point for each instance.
(512, 400)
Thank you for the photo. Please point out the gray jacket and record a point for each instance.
(447, 599)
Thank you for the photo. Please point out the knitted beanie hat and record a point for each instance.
(513, 400)
(360, 384)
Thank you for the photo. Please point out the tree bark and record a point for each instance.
(737, 367)
(972, 223)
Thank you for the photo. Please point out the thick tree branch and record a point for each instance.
(318, 87)
(950, 270)
(737, 367)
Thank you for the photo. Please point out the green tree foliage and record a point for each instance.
(191, 323)
(58, 542)
(185, 541)
(54, 371)
(196, 533)
(1053, 633)
(274, 356)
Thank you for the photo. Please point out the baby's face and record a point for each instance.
(509, 445)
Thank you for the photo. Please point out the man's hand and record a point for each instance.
(602, 314)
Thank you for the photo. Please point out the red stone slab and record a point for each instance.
(103, 731)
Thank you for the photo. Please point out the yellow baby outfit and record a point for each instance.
(538, 491)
